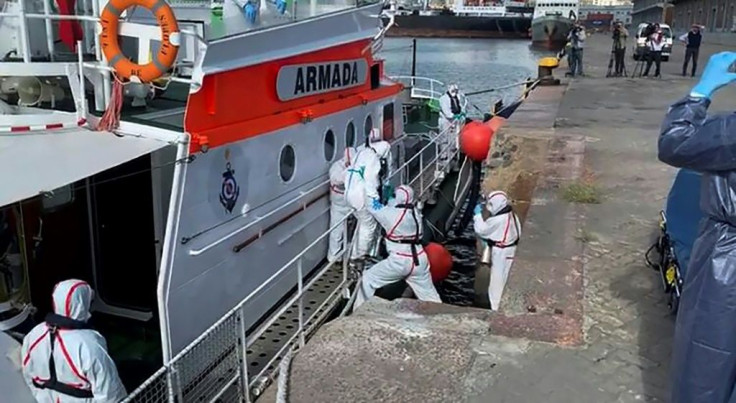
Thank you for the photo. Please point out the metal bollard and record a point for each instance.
(544, 71)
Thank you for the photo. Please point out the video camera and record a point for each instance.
(649, 30)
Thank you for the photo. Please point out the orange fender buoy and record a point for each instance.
(170, 40)
(440, 261)
(475, 140)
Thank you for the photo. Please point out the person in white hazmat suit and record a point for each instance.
(339, 207)
(363, 181)
(63, 359)
(501, 232)
(451, 109)
(406, 259)
(242, 15)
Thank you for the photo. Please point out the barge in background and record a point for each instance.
(465, 21)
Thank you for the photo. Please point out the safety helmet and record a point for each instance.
(496, 201)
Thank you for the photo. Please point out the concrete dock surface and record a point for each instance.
(582, 319)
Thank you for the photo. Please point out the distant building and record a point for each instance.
(618, 12)
(715, 15)
(605, 2)
(650, 11)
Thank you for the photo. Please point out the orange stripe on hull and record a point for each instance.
(218, 136)
(238, 104)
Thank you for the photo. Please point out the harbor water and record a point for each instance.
(474, 65)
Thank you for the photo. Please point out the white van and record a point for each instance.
(640, 47)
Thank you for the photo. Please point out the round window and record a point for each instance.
(329, 146)
(350, 135)
(368, 126)
(287, 163)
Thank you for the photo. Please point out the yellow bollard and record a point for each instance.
(544, 71)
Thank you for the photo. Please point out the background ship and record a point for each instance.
(467, 20)
(552, 21)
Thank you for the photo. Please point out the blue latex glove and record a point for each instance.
(250, 12)
(376, 205)
(281, 6)
(478, 209)
(716, 75)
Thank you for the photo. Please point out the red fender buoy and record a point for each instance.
(440, 261)
(475, 138)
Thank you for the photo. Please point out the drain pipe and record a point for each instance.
(282, 392)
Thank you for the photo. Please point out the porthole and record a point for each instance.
(368, 125)
(329, 145)
(287, 163)
(350, 135)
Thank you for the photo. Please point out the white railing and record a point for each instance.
(192, 41)
(422, 87)
(217, 360)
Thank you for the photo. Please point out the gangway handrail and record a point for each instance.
(169, 369)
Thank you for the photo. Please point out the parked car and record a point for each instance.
(640, 46)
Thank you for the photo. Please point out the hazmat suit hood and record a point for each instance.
(496, 201)
(402, 195)
(72, 299)
(381, 148)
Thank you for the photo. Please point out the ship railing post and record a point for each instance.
(345, 256)
(49, 29)
(421, 170)
(301, 301)
(23, 34)
(244, 354)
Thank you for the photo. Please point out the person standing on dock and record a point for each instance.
(692, 41)
(577, 42)
(655, 44)
(704, 350)
(500, 232)
(620, 36)
(406, 259)
(339, 208)
(451, 110)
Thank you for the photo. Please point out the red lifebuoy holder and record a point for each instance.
(162, 61)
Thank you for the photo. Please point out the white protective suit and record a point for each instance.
(501, 231)
(80, 354)
(403, 225)
(362, 183)
(339, 208)
(451, 105)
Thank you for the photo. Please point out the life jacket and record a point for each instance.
(414, 240)
(55, 323)
(497, 244)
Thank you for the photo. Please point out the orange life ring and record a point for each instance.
(170, 39)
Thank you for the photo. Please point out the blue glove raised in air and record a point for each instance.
(716, 75)
(250, 12)
(478, 209)
(376, 205)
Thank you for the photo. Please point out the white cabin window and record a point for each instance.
(350, 135)
(287, 163)
(368, 125)
(329, 145)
